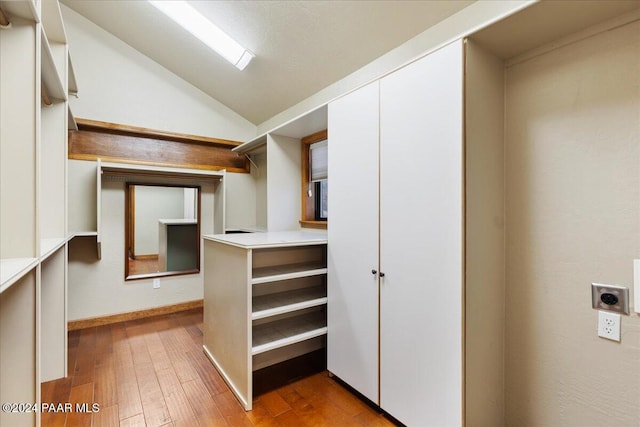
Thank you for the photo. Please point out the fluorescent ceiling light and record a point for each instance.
(194, 22)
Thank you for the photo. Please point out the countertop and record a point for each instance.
(270, 239)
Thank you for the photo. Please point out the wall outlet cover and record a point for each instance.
(609, 325)
(156, 283)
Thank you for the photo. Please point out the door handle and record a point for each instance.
(381, 274)
(374, 272)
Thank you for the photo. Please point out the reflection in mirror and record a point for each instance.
(162, 235)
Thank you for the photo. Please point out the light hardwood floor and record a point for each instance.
(153, 372)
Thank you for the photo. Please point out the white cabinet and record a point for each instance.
(395, 257)
(353, 232)
(265, 302)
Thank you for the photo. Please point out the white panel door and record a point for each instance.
(352, 348)
(421, 240)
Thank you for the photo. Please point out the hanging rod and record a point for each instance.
(4, 21)
(44, 95)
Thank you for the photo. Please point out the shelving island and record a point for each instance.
(265, 297)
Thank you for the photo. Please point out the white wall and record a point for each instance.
(484, 238)
(118, 84)
(241, 200)
(283, 183)
(260, 175)
(151, 204)
(97, 287)
(573, 218)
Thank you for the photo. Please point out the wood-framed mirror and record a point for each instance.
(162, 230)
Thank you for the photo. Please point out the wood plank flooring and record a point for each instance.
(143, 266)
(153, 372)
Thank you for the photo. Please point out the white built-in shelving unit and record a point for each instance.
(265, 302)
(275, 167)
(34, 116)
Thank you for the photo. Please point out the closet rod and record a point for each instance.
(4, 21)
(44, 95)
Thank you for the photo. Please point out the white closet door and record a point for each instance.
(421, 197)
(352, 348)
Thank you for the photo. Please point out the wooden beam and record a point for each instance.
(126, 144)
(116, 128)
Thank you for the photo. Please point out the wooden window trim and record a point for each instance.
(307, 211)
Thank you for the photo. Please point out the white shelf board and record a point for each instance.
(109, 167)
(288, 308)
(52, 21)
(158, 174)
(50, 76)
(12, 269)
(25, 9)
(305, 124)
(286, 302)
(90, 234)
(283, 342)
(84, 234)
(49, 246)
(286, 272)
(281, 333)
(252, 145)
(277, 239)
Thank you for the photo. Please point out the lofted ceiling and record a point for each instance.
(300, 46)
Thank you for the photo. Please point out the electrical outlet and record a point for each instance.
(609, 325)
(156, 283)
(610, 297)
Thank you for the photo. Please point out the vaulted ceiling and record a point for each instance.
(300, 47)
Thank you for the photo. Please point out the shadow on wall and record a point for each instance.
(83, 250)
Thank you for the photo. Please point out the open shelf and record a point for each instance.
(84, 234)
(269, 358)
(291, 330)
(265, 302)
(254, 144)
(52, 21)
(25, 9)
(50, 77)
(49, 246)
(285, 302)
(285, 272)
(13, 269)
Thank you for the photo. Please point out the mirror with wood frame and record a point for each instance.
(162, 235)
